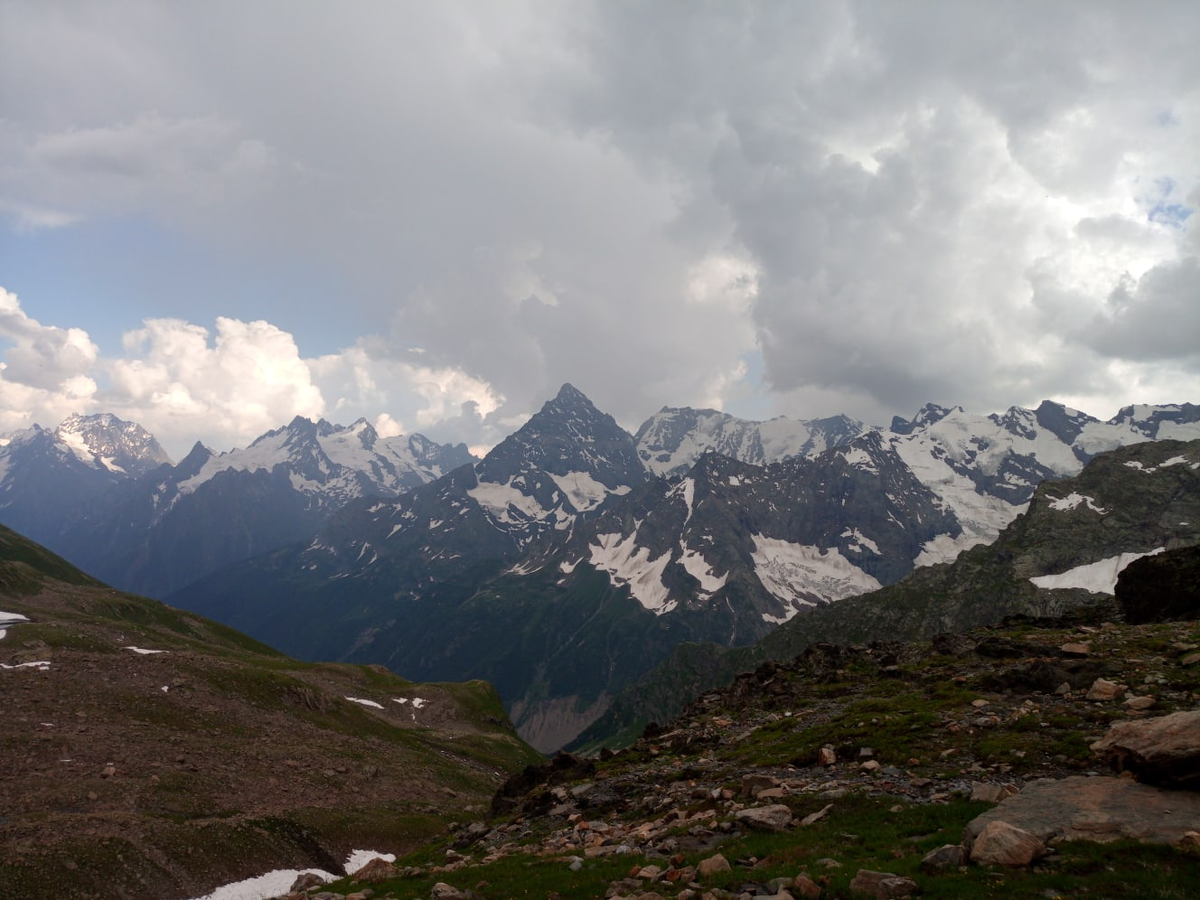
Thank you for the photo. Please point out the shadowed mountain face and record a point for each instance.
(555, 570)
(153, 753)
(1125, 509)
(101, 492)
(562, 567)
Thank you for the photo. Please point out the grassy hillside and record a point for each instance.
(162, 774)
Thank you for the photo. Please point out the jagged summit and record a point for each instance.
(105, 441)
(568, 436)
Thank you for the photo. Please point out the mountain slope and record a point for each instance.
(46, 476)
(159, 532)
(151, 753)
(1065, 551)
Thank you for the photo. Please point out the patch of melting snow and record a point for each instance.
(142, 651)
(41, 665)
(1069, 502)
(277, 882)
(7, 618)
(1099, 577)
(362, 702)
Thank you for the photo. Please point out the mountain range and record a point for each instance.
(575, 556)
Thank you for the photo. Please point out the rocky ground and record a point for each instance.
(812, 778)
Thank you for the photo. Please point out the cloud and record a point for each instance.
(773, 208)
(45, 374)
(1155, 317)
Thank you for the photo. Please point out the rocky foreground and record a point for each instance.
(1031, 759)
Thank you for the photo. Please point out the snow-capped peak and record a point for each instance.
(104, 441)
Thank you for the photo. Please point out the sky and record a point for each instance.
(215, 217)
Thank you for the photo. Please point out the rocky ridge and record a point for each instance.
(1065, 551)
(948, 768)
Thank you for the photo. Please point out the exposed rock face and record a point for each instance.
(1161, 588)
(1163, 750)
(1094, 809)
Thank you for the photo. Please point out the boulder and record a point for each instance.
(1164, 750)
(1001, 843)
(1161, 588)
(1094, 809)
(776, 817)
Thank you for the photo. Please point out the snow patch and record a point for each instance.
(860, 541)
(1098, 577)
(799, 575)
(628, 564)
(945, 548)
(362, 702)
(142, 651)
(860, 459)
(277, 882)
(41, 665)
(696, 566)
(7, 619)
(1150, 470)
(583, 491)
(501, 501)
(1071, 501)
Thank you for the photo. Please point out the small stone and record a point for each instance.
(805, 887)
(1081, 648)
(1139, 703)
(987, 793)
(883, 885)
(944, 859)
(979, 704)
(1103, 689)
(108, 771)
(377, 870)
(1002, 844)
(871, 765)
(1190, 660)
(707, 868)
(304, 881)
(776, 817)
(826, 756)
(753, 784)
(813, 818)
